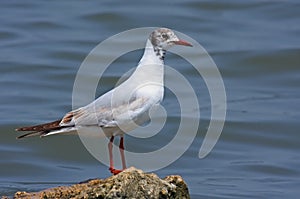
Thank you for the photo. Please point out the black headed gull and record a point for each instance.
(126, 106)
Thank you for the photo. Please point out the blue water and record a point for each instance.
(255, 45)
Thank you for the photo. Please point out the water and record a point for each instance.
(255, 45)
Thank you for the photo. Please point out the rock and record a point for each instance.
(131, 183)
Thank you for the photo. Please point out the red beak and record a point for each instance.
(183, 43)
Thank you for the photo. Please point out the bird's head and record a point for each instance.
(165, 38)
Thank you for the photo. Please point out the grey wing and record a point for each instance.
(102, 113)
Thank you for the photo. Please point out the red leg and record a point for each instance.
(110, 147)
(111, 160)
(121, 148)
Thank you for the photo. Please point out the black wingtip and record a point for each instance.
(31, 134)
(22, 136)
(19, 137)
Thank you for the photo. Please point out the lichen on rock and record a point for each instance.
(131, 183)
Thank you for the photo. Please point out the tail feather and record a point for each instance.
(41, 130)
(42, 127)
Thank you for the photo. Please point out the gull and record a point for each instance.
(125, 107)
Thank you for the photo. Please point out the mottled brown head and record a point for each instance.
(165, 38)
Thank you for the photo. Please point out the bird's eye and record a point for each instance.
(165, 36)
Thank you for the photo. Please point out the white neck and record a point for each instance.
(150, 56)
(148, 77)
(151, 66)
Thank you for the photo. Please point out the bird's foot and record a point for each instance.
(115, 171)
